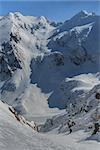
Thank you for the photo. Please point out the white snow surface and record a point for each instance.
(16, 136)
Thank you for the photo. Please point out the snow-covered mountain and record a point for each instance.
(49, 71)
(37, 59)
(26, 53)
(22, 41)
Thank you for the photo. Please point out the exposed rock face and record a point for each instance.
(79, 56)
(9, 61)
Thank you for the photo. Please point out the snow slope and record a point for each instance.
(17, 136)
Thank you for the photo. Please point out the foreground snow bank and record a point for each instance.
(16, 136)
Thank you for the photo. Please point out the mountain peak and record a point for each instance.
(83, 13)
(17, 13)
(43, 19)
(13, 14)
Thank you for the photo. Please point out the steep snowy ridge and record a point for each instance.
(10, 113)
(75, 38)
(79, 19)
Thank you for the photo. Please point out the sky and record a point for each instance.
(53, 10)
